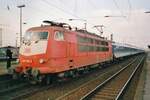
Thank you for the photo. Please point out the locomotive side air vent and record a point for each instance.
(52, 23)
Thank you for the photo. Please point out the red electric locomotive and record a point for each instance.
(56, 50)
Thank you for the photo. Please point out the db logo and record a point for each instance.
(27, 50)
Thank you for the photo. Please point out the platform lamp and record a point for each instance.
(20, 7)
(107, 16)
(148, 46)
(147, 12)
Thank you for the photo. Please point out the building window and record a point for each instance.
(59, 36)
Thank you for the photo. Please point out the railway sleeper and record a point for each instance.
(107, 93)
(104, 97)
(111, 89)
(97, 99)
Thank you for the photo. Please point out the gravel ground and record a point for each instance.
(61, 88)
(140, 86)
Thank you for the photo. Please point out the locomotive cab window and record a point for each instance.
(59, 36)
(34, 36)
(43, 35)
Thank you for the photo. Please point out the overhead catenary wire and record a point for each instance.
(62, 10)
(116, 4)
(16, 2)
(92, 4)
(130, 8)
(59, 8)
(72, 8)
(75, 7)
(69, 13)
(38, 11)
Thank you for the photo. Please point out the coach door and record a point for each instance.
(70, 50)
(59, 45)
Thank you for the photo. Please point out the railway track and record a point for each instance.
(16, 89)
(5, 77)
(25, 91)
(113, 88)
(90, 92)
(61, 88)
(12, 90)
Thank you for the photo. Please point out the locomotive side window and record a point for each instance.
(98, 42)
(104, 43)
(86, 48)
(90, 40)
(105, 49)
(81, 39)
(89, 44)
(82, 48)
(59, 36)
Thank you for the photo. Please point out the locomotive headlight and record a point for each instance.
(41, 61)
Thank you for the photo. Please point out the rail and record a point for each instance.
(95, 90)
(129, 80)
(77, 93)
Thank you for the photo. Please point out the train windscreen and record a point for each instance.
(35, 36)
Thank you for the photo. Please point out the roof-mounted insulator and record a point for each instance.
(64, 25)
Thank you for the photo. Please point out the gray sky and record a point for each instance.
(133, 29)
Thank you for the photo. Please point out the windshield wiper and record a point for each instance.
(27, 42)
(36, 41)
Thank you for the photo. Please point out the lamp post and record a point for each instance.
(113, 16)
(85, 24)
(147, 12)
(20, 7)
(17, 39)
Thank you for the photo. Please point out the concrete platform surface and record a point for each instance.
(146, 95)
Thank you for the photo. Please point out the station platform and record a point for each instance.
(146, 94)
(3, 69)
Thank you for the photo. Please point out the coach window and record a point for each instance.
(59, 36)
